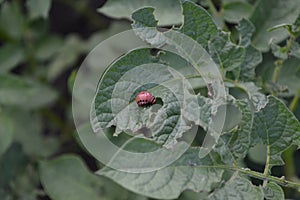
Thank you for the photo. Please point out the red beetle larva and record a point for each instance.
(145, 98)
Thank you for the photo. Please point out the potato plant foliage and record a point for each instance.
(225, 70)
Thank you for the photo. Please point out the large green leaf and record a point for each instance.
(67, 178)
(168, 11)
(143, 155)
(134, 72)
(278, 128)
(25, 93)
(186, 47)
(188, 172)
(145, 27)
(236, 189)
(269, 13)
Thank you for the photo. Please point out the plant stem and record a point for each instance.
(294, 103)
(258, 175)
(280, 181)
(289, 168)
(212, 7)
(277, 69)
(217, 15)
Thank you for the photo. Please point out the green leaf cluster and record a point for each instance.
(256, 113)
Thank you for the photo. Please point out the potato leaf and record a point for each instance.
(278, 128)
(167, 183)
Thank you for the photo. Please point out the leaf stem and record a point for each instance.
(267, 166)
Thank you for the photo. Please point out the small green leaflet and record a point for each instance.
(236, 189)
(277, 127)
